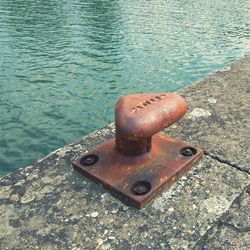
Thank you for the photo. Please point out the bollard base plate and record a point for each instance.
(136, 180)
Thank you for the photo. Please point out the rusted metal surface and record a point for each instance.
(138, 117)
(140, 162)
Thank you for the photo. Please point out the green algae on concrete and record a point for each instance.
(50, 206)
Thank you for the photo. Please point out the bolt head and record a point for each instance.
(141, 187)
(188, 151)
(89, 160)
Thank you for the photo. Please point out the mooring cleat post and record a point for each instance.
(140, 162)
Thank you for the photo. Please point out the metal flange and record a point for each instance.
(141, 162)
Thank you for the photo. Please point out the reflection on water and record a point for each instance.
(63, 64)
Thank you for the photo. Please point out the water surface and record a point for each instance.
(64, 63)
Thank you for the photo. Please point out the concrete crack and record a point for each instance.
(238, 229)
(215, 157)
(220, 223)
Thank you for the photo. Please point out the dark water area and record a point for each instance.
(63, 64)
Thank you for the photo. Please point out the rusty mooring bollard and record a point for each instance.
(139, 117)
(140, 162)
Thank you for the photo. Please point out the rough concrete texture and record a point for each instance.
(50, 206)
(219, 115)
(233, 228)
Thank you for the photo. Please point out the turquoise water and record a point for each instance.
(63, 64)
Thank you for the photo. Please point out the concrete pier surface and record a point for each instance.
(50, 206)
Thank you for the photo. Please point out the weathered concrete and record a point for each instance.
(233, 229)
(219, 115)
(50, 206)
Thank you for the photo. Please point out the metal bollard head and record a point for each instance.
(138, 117)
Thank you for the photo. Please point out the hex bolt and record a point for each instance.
(89, 160)
(188, 151)
(141, 187)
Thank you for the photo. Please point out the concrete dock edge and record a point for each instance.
(50, 206)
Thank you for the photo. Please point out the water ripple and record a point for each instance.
(63, 64)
